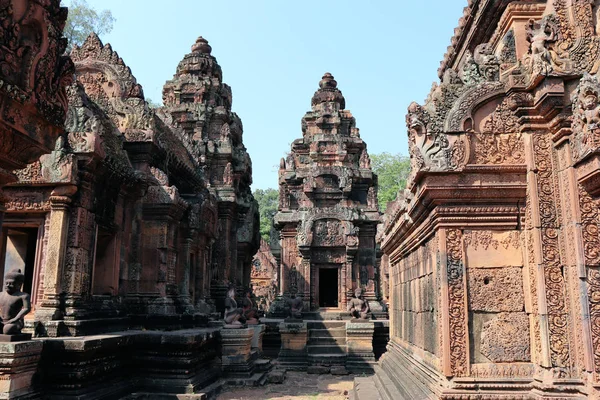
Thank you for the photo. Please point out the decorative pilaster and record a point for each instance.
(60, 200)
(454, 321)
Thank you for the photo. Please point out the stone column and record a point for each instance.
(60, 199)
(304, 285)
(347, 285)
(184, 283)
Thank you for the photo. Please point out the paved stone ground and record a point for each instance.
(297, 386)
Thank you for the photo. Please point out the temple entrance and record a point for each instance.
(328, 287)
(18, 251)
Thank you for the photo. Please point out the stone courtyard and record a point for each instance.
(130, 244)
(297, 386)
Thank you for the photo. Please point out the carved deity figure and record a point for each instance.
(358, 306)
(487, 62)
(540, 59)
(228, 174)
(233, 314)
(249, 307)
(14, 304)
(590, 111)
(586, 116)
(296, 305)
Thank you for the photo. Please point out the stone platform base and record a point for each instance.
(117, 364)
(18, 365)
(400, 376)
(242, 360)
(21, 337)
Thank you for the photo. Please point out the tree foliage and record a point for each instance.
(392, 171)
(83, 20)
(268, 203)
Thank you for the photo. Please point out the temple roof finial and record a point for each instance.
(201, 46)
(328, 92)
(328, 81)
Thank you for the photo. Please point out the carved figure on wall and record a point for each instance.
(293, 278)
(488, 63)
(358, 307)
(249, 307)
(541, 60)
(14, 304)
(428, 149)
(234, 316)
(228, 175)
(586, 115)
(365, 160)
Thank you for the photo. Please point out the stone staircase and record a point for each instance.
(326, 346)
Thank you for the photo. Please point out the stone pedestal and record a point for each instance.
(18, 364)
(237, 352)
(257, 338)
(294, 336)
(359, 342)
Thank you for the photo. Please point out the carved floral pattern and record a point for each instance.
(552, 267)
(456, 303)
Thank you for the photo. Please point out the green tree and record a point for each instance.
(392, 171)
(83, 20)
(268, 203)
(152, 103)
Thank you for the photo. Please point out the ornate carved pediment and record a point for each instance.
(33, 76)
(430, 150)
(110, 83)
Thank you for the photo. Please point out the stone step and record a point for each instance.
(327, 333)
(326, 324)
(326, 349)
(262, 364)
(327, 359)
(365, 388)
(331, 341)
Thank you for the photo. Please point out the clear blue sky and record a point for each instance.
(384, 54)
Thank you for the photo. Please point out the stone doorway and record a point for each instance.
(18, 250)
(328, 287)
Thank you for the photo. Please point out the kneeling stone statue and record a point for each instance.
(14, 305)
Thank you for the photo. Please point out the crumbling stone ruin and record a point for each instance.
(492, 248)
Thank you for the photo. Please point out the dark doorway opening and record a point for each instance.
(19, 249)
(328, 287)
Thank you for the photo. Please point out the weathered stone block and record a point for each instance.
(359, 342)
(18, 363)
(237, 351)
(493, 249)
(495, 289)
(293, 354)
(276, 376)
(318, 369)
(506, 338)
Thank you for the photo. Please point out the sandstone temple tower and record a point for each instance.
(198, 102)
(328, 212)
